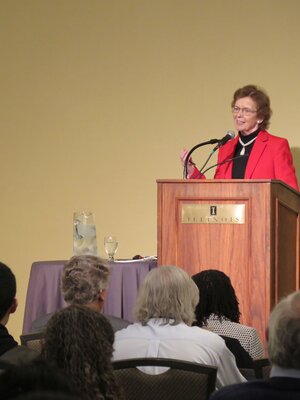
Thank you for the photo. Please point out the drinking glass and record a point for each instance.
(84, 233)
(110, 246)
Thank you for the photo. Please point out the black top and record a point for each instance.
(240, 164)
(7, 342)
(242, 357)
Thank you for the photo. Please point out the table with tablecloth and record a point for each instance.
(44, 289)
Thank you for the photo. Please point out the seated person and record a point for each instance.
(284, 354)
(165, 312)
(9, 349)
(35, 378)
(8, 305)
(218, 311)
(79, 341)
(84, 281)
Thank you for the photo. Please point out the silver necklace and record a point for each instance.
(242, 152)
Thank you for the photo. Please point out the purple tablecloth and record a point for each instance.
(44, 293)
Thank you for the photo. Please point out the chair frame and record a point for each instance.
(259, 365)
(209, 370)
(256, 372)
(28, 337)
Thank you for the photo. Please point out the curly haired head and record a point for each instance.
(79, 341)
(83, 278)
(167, 292)
(261, 100)
(217, 296)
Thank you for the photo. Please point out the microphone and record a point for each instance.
(225, 161)
(212, 141)
(229, 135)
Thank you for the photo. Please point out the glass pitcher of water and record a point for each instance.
(84, 233)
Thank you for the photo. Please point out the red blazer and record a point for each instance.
(270, 158)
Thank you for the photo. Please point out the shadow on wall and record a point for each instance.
(296, 157)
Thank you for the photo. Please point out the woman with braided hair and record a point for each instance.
(79, 341)
(218, 311)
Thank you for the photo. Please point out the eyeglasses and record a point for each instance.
(244, 110)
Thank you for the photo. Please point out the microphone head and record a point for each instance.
(231, 134)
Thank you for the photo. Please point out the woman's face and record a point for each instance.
(245, 115)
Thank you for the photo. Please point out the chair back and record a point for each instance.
(261, 370)
(33, 341)
(182, 379)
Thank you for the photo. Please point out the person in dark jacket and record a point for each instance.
(84, 281)
(284, 354)
(10, 351)
(8, 305)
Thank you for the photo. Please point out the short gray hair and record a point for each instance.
(284, 332)
(167, 292)
(83, 278)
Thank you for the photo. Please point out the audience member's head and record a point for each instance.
(217, 296)
(85, 280)
(79, 341)
(167, 292)
(31, 378)
(284, 333)
(8, 287)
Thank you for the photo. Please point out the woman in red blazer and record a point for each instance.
(256, 153)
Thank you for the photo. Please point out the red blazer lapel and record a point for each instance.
(258, 148)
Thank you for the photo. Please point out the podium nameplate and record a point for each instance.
(213, 213)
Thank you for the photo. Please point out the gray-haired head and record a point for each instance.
(167, 292)
(284, 332)
(83, 278)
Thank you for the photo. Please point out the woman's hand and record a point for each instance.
(190, 165)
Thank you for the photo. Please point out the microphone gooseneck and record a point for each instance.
(229, 135)
(220, 142)
(225, 161)
(212, 141)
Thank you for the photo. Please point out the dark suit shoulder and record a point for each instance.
(117, 323)
(19, 355)
(40, 323)
(273, 388)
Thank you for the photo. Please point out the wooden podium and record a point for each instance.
(249, 229)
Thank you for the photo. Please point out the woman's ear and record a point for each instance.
(102, 295)
(14, 306)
